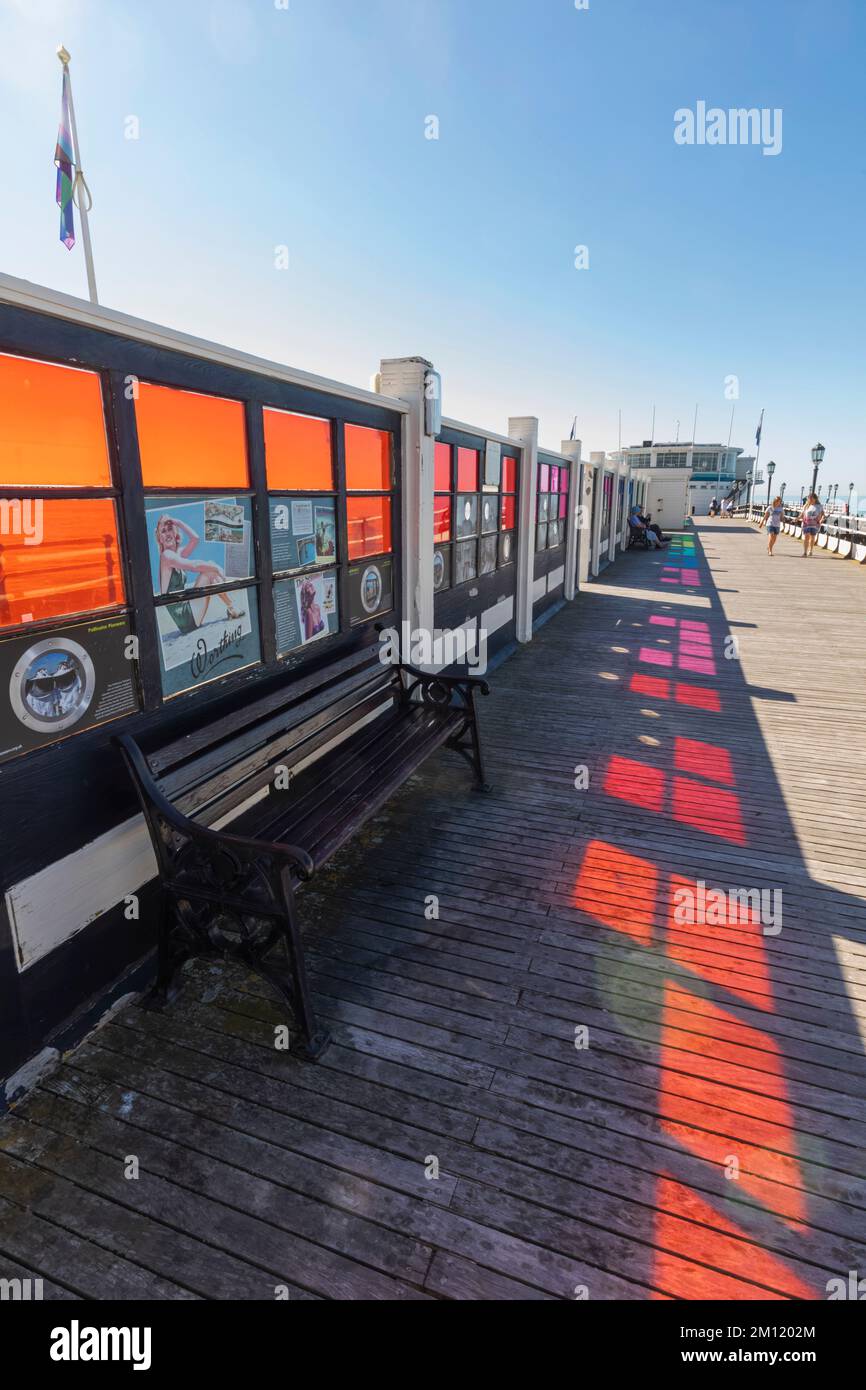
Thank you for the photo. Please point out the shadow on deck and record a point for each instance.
(706, 1142)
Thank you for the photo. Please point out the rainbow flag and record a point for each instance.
(63, 160)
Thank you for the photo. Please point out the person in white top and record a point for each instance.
(772, 519)
(811, 518)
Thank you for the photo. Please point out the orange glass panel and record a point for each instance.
(442, 469)
(298, 452)
(368, 521)
(52, 427)
(74, 568)
(368, 459)
(467, 470)
(189, 440)
(441, 519)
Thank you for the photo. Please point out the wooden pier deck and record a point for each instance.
(708, 1141)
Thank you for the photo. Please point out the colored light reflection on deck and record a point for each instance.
(605, 890)
(723, 1097)
(704, 759)
(716, 1242)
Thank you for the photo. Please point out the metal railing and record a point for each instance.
(840, 534)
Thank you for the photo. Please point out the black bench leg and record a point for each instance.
(477, 752)
(311, 1041)
(161, 993)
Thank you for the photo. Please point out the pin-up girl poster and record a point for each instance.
(311, 601)
(180, 570)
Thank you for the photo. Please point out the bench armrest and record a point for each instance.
(452, 682)
(154, 800)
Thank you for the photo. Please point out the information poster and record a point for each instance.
(303, 532)
(197, 542)
(62, 682)
(489, 514)
(371, 590)
(487, 549)
(466, 515)
(465, 561)
(205, 638)
(306, 608)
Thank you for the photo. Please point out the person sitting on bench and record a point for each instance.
(652, 533)
(654, 529)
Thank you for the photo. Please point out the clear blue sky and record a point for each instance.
(262, 126)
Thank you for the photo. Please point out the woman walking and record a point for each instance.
(772, 519)
(810, 519)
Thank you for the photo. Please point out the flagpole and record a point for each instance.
(730, 434)
(758, 454)
(79, 181)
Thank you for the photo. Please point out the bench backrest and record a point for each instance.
(218, 766)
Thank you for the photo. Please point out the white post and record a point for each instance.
(571, 450)
(405, 378)
(79, 181)
(597, 461)
(524, 429)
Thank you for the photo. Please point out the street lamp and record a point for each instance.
(850, 495)
(771, 468)
(817, 458)
(782, 491)
(749, 477)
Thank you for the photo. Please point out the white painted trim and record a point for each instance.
(525, 430)
(492, 619)
(555, 578)
(405, 378)
(47, 301)
(571, 452)
(539, 588)
(55, 904)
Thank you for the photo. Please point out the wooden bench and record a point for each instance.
(293, 797)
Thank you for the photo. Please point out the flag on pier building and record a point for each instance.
(760, 427)
(63, 159)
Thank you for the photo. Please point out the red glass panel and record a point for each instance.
(368, 525)
(442, 469)
(509, 512)
(563, 503)
(467, 470)
(441, 519)
(509, 474)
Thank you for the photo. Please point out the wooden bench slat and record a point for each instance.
(295, 689)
